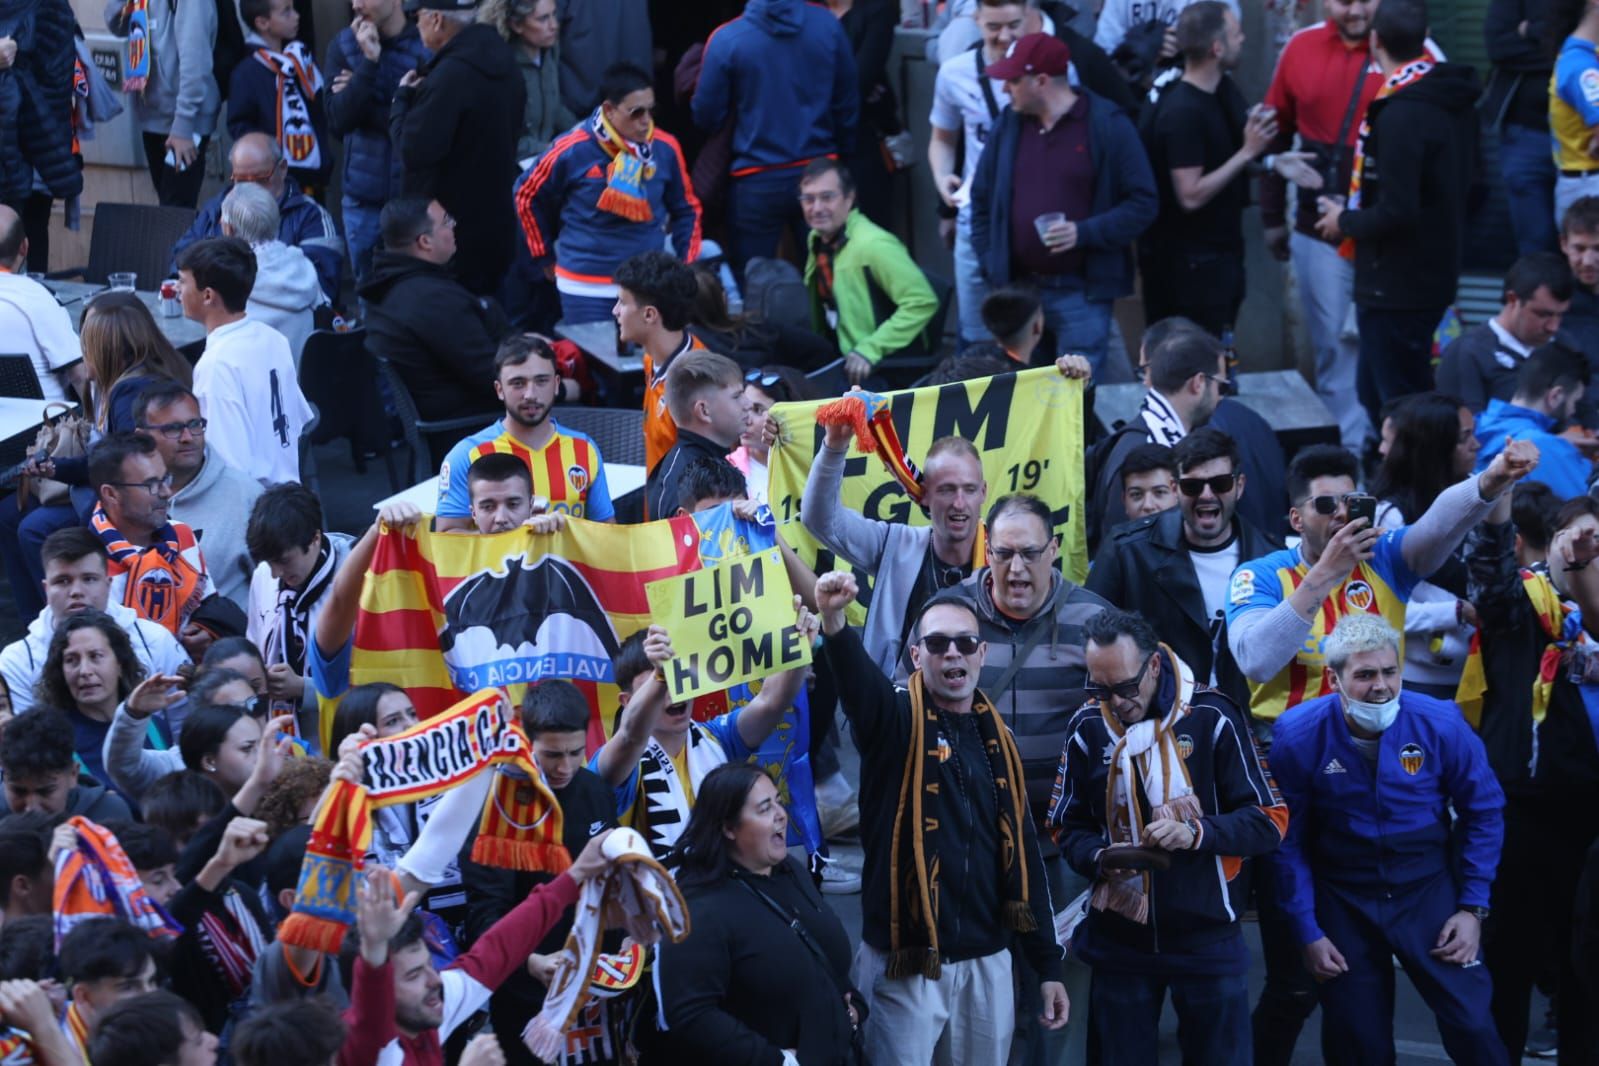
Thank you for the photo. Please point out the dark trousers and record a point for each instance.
(1204, 285)
(1291, 994)
(175, 188)
(1212, 1018)
(1530, 929)
(760, 207)
(1358, 1006)
(1395, 355)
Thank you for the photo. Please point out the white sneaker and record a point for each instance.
(837, 879)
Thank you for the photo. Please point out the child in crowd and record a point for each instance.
(277, 90)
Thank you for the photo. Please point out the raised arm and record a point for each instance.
(618, 758)
(859, 539)
(1437, 533)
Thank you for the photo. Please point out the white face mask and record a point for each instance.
(1372, 717)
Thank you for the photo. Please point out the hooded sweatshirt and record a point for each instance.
(216, 505)
(181, 97)
(22, 661)
(286, 290)
(1418, 164)
(784, 73)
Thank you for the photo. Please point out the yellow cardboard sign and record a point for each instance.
(1027, 428)
(730, 623)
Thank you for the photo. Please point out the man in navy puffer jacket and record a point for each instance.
(365, 63)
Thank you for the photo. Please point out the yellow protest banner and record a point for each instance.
(1027, 428)
(730, 623)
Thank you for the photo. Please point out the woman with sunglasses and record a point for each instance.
(1434, 446)
(762, 389)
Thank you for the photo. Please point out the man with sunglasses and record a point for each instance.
(612, 187)
(1174, 568)
(953, 874)
(208, 495)
(1158, 799)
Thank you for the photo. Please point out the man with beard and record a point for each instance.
(1174, 567)
(564, 465)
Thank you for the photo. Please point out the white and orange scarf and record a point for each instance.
(299, 81)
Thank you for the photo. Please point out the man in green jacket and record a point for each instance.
(849, 258)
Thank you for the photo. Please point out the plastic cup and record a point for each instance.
(1046, 222)
(123, 281)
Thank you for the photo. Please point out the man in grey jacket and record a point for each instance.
(209, 496)
(169, 47)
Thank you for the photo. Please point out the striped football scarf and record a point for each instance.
(520, 829)
(162, 586)
(95, 879)
(1408, 74)
(299, 82)
(136, 13)
(630, 168)
(872, 418)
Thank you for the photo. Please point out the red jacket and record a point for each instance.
(373, 1040)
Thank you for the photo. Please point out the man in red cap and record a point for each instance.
(1061, 192)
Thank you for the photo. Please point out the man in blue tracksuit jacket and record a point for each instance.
(1372, 867)
(584, 216)
(1550, 383)
(784, 75)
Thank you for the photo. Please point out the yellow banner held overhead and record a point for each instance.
(731, 623)
(1027, 428)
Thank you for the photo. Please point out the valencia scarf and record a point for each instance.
(232, 942)
(162, 586)
(136, 13)
(1408, 74)
(1147, 751)
(94, 879)
(870, 416)
(520, 828)
(286, 640)
(635, 893)
(631, 167)
(299, 82)
(913, 846)
(662, 806)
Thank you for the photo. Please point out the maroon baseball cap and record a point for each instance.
(1037, 53)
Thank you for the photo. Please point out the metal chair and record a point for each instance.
(619, 431)
(340, 380)
(420, 460)
(19, 379)
(136, 237)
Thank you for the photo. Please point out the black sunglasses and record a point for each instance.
(1124, 690)
(938, 643)
(1326, 505)
(1221, 484)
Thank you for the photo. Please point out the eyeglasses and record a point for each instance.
(1326, 505)
(1221, 484)
(152, 486)
(1226, 386)
(1125, 690)
(174, 430)
(938, 643)
(1002, 556)
(808, 198)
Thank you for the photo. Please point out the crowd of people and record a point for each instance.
(1353, 705)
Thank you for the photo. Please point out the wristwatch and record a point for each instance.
(1479, 913)
(1193, 827)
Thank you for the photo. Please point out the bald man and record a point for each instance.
(303, 223)
(31, 320)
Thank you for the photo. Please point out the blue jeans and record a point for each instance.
(1326, 291)
(21, 537)
(1212, 1018)
(362, 233)
(1529, 175)
(760, 207)
(970, 288)
(1079, 325)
